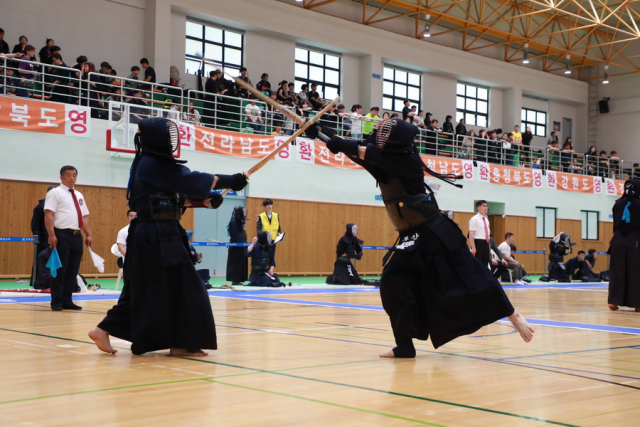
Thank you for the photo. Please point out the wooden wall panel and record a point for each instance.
(313, 230)
(107, 207)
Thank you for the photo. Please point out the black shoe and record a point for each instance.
(71, 306)
(526, 280)
(56, 307)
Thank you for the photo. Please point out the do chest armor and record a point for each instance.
(407, 211)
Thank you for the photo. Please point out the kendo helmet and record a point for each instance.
(159, 136)
(395, 135)
(240, 213)
(632, 189)
(264, 238)
(563, 247)
(352, 229)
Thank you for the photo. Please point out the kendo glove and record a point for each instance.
(236, 182)
(315, 131)
(337, 145)
(214, 200)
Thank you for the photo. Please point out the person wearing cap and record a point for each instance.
(163, 304)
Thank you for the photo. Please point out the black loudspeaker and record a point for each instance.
(604, 106)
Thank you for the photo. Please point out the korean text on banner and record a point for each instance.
(572, 182)
(216, 141)
(44, 117)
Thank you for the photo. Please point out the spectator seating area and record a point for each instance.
(106, 94)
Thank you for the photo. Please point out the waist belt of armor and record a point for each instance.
(407, 211)
(162, 207)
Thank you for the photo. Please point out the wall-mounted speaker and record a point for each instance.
(604, 106)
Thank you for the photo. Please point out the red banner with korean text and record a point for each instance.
(44, 117)
(450, 166)
(575, 183)
(217, 141)
(506, 175)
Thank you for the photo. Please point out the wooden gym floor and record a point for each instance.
(310, 358)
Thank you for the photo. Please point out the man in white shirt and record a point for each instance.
(480, 233)
(122, 236)
(254, 116)
(66, 216)
(513, 265)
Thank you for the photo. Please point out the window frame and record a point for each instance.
(476, 98)
(596, 225)
(544, 219)
(395, 82)
(534, 125)
(221, 63)
(299, 80)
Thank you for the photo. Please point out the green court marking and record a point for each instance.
(73, 393)
(337, 405)
(393, 393)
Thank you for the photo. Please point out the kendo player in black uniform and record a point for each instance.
(40, 237)
(431, 284)
(624, 274)
(344, 272)
(163, 303)
(262, 251)
(237, 268)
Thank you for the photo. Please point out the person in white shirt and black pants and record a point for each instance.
(480, 233)
(66, 216)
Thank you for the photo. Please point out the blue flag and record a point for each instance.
(54, 263)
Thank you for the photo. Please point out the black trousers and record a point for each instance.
(483, 251)
(70, 251)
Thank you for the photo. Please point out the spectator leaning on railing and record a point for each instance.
(23, 42)
(369, 121)
(4, 46)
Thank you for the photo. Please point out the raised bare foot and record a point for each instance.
(101, 338)
(388, 355)
(613, 307)
(523, 327)
(182, 352)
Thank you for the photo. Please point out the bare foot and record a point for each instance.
(388, 355)
(523, 327)
(613, 307)
(101, 338)
(182, 352)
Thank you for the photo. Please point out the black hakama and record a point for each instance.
(624, 271)
(237, 265)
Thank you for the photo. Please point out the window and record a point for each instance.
(472, 104)
(320, 68)
(213, 46)
(590, 220)
(536, 119)
(398, 86)
(545, 223)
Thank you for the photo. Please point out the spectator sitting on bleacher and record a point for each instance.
(303, 95)
(23, 42)
(254, 115)
(494, 147)
(105, 77)
(45, 52)
(10, 84)
(434, 125)
(276, 117)
(136, 114)
(80, 60)
(603, 164)
(116, 111)
(567, 155)
(314, 98)
(282, 95)
(385, 115)
(174, 109)
(192, 115)
(132, 81)
(264, 85)
(394, 115)
(553, 137)
(292, 94)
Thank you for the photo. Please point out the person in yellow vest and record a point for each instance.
(269, 221)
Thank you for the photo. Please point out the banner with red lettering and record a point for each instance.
(44, 117)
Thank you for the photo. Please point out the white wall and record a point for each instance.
(618, 129)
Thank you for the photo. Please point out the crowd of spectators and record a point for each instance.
(83, 84)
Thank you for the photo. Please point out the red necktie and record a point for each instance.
(484, 220)
(75, 200)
